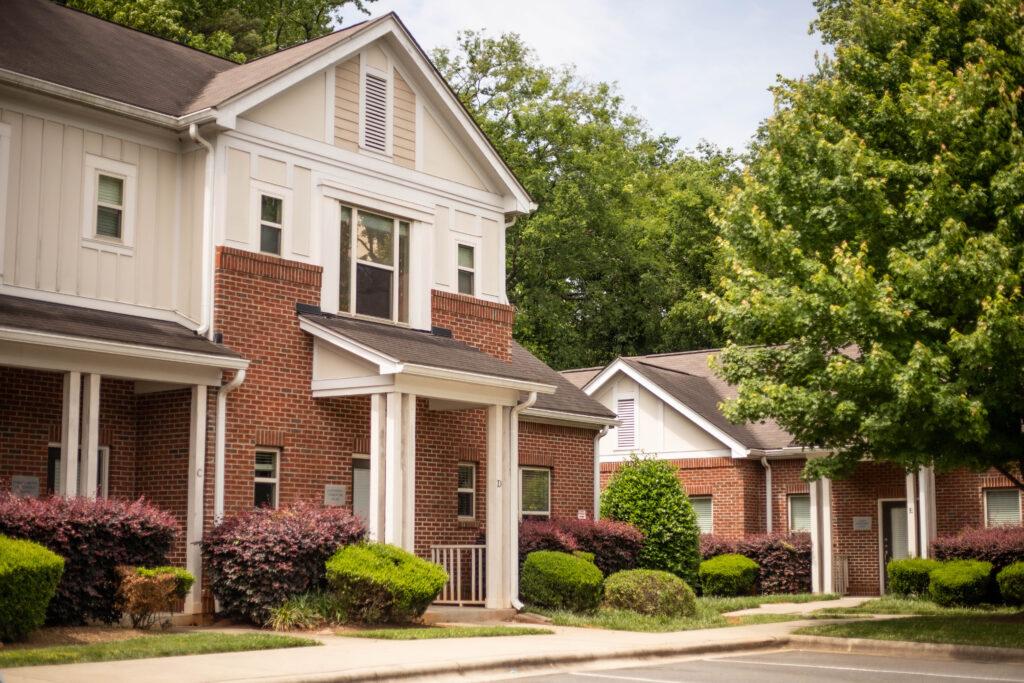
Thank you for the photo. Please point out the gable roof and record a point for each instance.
(687, 378)
(568, 398)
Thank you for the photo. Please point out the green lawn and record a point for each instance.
(996, 630)
(158, 645)
(431, 632)
(894, 605)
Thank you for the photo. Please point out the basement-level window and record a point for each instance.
(374, 265)
(1002, 507)
(800, 512)
(702, 507)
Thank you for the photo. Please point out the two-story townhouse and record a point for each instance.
(228, 285)
(744, 479)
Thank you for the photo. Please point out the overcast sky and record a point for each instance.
(695, 69)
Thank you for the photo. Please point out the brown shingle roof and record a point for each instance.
(568, 398)
(76, 321)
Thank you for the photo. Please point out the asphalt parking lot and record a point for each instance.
(796, 666)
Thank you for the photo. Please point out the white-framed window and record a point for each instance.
(535, 491)
(1002, 507)
(271, 223)
(467, 490)
(373, 278)
(626, 432)
(702, 508)
(102, 470)
(799, 511)
(266, 477)
(466, 268)
(109, 189)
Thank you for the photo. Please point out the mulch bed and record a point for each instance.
(77, 635)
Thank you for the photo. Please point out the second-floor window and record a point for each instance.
(109, 206)
(374, 273)
(271, 212)
(467, 270)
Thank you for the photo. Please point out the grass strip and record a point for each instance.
(141, 647)
(912, 606)
(431, 632)
(751, 601)
(992, 630)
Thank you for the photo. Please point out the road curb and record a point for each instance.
(868, 646)
(522, 663)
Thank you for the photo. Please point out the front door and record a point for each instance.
(894, 533)
(361, 488)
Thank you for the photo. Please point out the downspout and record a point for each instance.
(218, 447)
(767, 493)
(597, 470)
(513, 505)
(206, 323)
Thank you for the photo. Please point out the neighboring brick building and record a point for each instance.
(232, 285)
(745, 479)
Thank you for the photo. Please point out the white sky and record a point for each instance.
(695, 69)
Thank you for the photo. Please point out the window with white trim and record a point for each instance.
(373, 278)
(467, 490)
(271, 224)
(535, 491)
(702, 508)
(265, 480)
(626, 412)
(799, 512)
(1002, 507)
(109, 206)
(109, 203)
(467, 269)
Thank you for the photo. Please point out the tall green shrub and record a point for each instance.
(29, 574)
(647, 494)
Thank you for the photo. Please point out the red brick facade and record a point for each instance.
(485, 325)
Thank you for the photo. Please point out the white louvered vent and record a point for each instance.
(627, 430)
(375, 115)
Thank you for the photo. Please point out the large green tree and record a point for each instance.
(590, 270)
(875, 248)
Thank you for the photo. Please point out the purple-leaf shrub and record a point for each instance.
(94, 537)
(615, 545)
(257, 560)
(784, 559)
(1002, 546)
(542, 534)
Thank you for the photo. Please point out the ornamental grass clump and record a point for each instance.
(911, 576)
(554, 580)
(728, 575)
(378, 583)
(29, 575)
(651, 592)
(961, 583)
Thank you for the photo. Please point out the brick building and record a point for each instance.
(230, 285)
(745, 479)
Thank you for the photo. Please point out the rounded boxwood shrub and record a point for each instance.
(650, 591)
(647, 494)
(728, 575)
(260, 558)
(961, 582)
(378, 583)
(555, 580)
(1011, 583)
(910, 576)
(29, 574)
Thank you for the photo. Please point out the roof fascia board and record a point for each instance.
(385, 363)
(136, 310)
(547, 416)
(476, 378)
(618, 365)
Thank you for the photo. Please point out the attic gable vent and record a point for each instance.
(375, 113)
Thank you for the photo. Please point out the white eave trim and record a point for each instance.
(386, 364)
(61, 341)
(560, 416)
(738, 450)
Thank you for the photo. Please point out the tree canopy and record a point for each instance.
(873, 253)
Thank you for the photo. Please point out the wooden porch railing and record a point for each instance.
(466, 578)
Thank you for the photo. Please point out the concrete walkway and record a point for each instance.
(352, 659)
(798, 607)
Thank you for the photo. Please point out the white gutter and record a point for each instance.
(218, 447)
(767, 493)
(597, 471)
(206, 322)
(513, 498)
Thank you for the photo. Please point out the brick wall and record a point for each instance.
(569, 452)
(959, 498)
(485, 325)
(785, 481)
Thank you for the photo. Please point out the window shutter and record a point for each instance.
(375, 114)
(627, 431)
(1002, 507)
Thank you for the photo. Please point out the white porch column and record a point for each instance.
(87, 479)
(821, 536)
(393, 469)
(497, 532)
(375, 524)
(409, 472)
(69, 434)
(913, 548)
(194, 512)
(926, 512)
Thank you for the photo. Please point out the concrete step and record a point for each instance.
(449, 614)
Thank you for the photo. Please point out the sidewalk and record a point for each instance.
(352, 659)
(798, 607)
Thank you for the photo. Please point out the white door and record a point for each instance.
(361, 488)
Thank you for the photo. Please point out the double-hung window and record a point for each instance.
(800, 512)
(702, 508)
(109, 206)
(271, 224)
(1002, 507)
(467, 490)
(265, 480)
(374, 265)
(467, 270)
(535, 491)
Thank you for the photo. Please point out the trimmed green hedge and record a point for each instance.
(29, 574)
(728, 575)
(910, 576)
(557, 580)
(1011, 583)
(650, 591)
(378, 583)
(961, 582)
